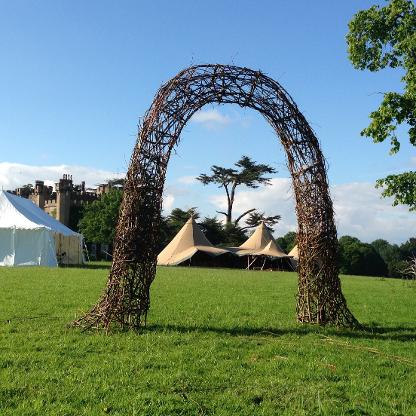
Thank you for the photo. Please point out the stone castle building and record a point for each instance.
(65, 199)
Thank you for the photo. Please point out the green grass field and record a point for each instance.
(220, 342)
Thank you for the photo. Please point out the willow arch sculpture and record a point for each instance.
(126, 297)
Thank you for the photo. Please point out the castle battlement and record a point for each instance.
(66, 197)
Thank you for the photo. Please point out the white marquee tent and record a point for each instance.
(31, 237)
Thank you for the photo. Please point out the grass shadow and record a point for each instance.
(92, 266)
(397, 333)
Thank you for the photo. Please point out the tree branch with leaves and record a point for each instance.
(248, 173)
(385, 37)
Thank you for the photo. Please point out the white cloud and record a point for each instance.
(168, 201)
(211, 118)
(359, 210)
(13, 175)
(187, 180)
(413, 161)
(274, 199)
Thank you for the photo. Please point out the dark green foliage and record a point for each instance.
(383, 37)
(166, 234)
(178, 217)
(234, 235)
(408, 249)
(288, 241)
(171, 224)
(176, 220)
(75, 215)
(26, 190)
(392, 256)
(402, 187)
(256, 217)
(100, 218)
(249, 173)
(213, 230)
(116, 182)
(356, 257)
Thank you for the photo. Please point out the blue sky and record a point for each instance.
(75, 76)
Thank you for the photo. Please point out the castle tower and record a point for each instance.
(38, 196)
(63, 198)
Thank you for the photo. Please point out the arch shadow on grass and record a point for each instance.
(393, 333)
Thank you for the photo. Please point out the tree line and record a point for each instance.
(379, 258)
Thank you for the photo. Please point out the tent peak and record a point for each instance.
(185, 244)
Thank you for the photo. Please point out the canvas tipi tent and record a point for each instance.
(295, 257)
(31, 237)
(189, 240)
(273, 250)
(260, 243)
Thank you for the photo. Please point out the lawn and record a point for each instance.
(221, 342)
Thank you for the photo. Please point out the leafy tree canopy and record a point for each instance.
(213, 230)
(402, 187)
(216, 232)
(234, 235)
(288, 241)
(248, 173)
(100, 218)
(178, 217)
(383, 37)
(408, 249)
(26, 190)
(360, 258)
(256, 217)
(392, 256)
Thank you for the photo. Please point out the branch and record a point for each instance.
(221, 212)
(243, 215)
(228, 194)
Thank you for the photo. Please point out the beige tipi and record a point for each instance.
(272, 250)
(294, 253)
(185, 244)
(260, 243)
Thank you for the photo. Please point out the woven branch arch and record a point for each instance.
(126, 298)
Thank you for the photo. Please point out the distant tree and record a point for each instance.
(116, 182)
(165, 234)
(408, 249)
(178, 217)
(75, 215)
(288, 241)
(383, 37)
(409, 269)
(391, 255)
(213, 230)
(360, 258)
(216, 232)
(170, 225)
(100, 218)
(234, 235)
(26, 190)
(255, 218)
(249, 173)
